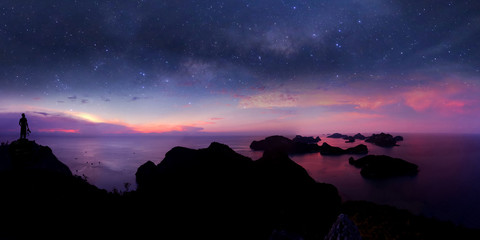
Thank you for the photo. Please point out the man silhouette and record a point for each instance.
(23, 127)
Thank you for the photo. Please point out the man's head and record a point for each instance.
(23, 114)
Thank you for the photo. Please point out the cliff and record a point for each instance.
(24, 155)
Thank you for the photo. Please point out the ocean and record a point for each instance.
(447, 186)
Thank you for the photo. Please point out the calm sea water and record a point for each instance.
(447, 186)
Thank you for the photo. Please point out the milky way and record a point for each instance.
(241, 66)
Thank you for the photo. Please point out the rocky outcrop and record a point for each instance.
(27, 155)
(384, 140)
(217, 187)
(381, 166)
(39, 196)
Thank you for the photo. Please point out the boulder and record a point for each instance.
(382, 166)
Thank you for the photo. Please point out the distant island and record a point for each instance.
(289, 146)
(381, 166)
(382, 139)
(194, 194)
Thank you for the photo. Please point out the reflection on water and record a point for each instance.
(447, 186)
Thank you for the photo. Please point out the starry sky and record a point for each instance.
(239, 66)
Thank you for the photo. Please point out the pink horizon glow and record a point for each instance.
(447, 105)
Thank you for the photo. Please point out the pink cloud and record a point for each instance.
(59, 130)
(453, 98)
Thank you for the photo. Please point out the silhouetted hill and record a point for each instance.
(27, 155)
(41, 198)
(249, 198)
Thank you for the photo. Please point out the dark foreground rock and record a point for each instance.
(229, 195)
(381, 166)
(212, 193)
(379, 222)
(27, 155)
(40, 198)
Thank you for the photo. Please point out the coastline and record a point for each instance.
(423, 194)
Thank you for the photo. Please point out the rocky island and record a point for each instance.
(381, 166)
(384, 140)
(212, 193)
(280, 143)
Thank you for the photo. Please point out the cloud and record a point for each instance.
(42, 122)
(42, 113)
(56, 130)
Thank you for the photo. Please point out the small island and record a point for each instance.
(284, 144)
(198, 193)
(384, 140)
(381, 166)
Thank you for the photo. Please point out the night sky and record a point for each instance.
(242, 67)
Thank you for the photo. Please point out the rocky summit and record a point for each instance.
(23, 154)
